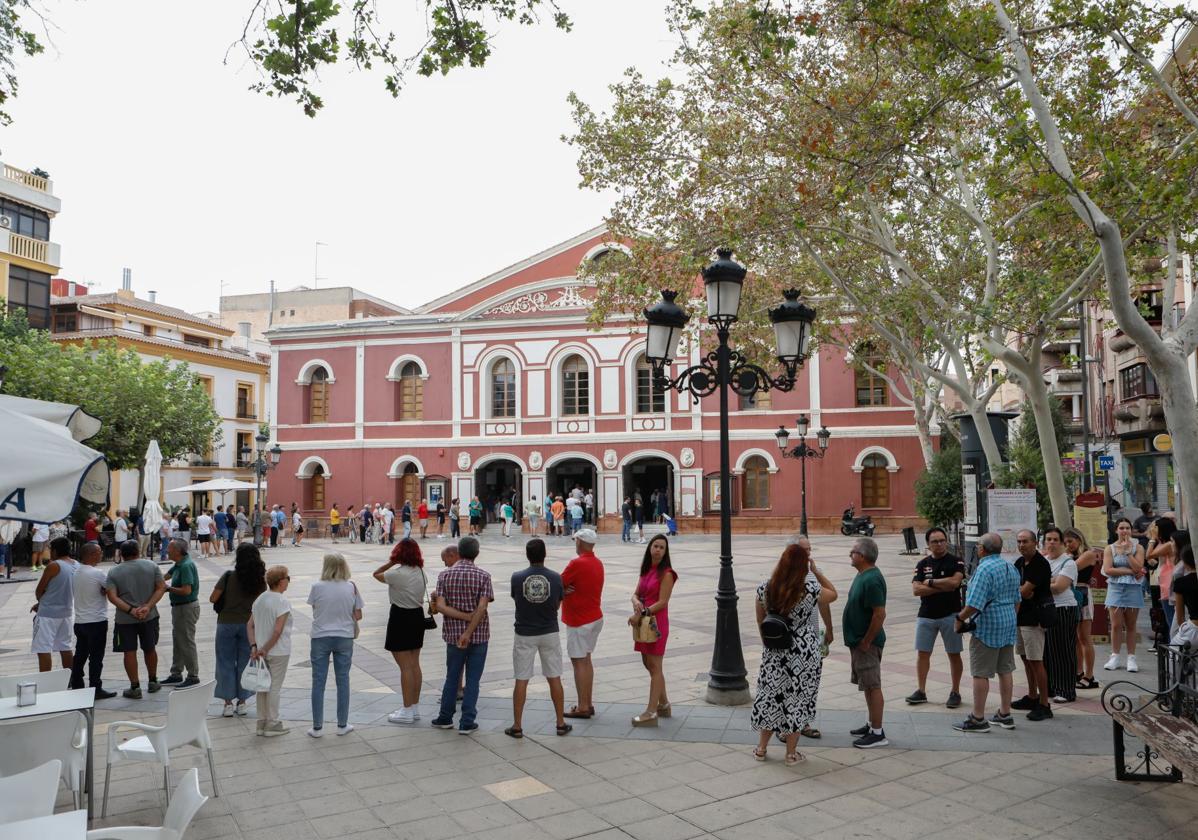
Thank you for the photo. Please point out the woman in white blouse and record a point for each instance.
(406, 586)
(336, 611)
(269, 630)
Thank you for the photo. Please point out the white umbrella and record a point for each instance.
(151, 511)
(215, 485)
(81, 424)
(44, 470)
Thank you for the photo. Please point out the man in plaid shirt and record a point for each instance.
(463, 594)
(994, 599)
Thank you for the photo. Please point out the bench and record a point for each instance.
(1166, 720)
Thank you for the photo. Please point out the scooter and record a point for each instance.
(851, 524)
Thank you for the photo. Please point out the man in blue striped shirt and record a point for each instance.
(994, 598)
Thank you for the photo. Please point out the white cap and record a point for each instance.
(587, 535)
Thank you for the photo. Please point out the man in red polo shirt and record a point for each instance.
(582, 613)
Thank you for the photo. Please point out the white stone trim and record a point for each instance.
(397, 466)
(307, 467)
(572, 456)
(400, 361)
(641, 454)
(305, 373)
(748, 453)
(485, 361)
(859, 465)
(602, 247)
(557, 359)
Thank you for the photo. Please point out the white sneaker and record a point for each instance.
(345, 730)
(404, 717)
(1132, 667)
(315, 733)
(1112, 664)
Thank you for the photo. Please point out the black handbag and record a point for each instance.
(222, 585)
(430, 623)
(1046, 615)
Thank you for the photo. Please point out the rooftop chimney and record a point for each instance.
(153, 296)
(127, 279)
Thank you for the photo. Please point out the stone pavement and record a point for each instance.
(692, 777)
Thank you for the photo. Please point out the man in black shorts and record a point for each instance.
(135, 586)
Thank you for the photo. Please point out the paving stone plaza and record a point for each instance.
(694, 776)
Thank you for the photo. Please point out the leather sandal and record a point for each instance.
(644, 719)
(665, 710)
(576, 712)
(513, 732)
(565, 729)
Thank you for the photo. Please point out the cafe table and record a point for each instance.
(53, 703)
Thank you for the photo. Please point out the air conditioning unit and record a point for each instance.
(5, 222)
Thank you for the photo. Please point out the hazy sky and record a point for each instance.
(167, 164)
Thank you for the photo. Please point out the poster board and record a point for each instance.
(1008, 513)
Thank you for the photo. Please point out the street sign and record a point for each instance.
(1106, 462)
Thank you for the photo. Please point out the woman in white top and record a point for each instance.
(336, 611)
(1060, 652)
(406, 587)
(270, 619)
(297, 528)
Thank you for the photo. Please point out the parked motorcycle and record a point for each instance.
(851, 523)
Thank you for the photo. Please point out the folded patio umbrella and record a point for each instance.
(44, 470)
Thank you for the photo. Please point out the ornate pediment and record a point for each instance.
(550, 300)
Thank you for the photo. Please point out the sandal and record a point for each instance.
(758, 753)
(645, 720)
(514, 732)
(565, 729)
(809, 732)
(665, 710)
(794, 758)
(576, 712)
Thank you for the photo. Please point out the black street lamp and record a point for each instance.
(721, 369)
(803, 452)
(264, 461)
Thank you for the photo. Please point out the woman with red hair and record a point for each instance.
(788, 681)
(406, 587)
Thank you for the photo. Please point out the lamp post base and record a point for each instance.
(728, 696)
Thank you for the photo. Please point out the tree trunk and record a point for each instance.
(923, 428)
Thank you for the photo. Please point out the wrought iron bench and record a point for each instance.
(1165, 720)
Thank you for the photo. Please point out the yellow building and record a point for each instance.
(233, 370)
(28, 259)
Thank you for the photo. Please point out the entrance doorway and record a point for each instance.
(497, 482)
(648, 475)
(407, 487)
(565, 475)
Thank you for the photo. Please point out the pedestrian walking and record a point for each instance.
(54, 609)
(638, 513)
(336, 610)
(990, 607)
(297, 528)
(183, 591)
(537, 592)
(937, 584)
(233, 599)
(1060, 642)
(405, 516)
(582, 613)
(626, 517)
(508, 515)
(864, 616)
(789, 676)
(407, 590)
(1123, 566)
(269, 631)
(134, 587)
(652, 600)
(463, 595)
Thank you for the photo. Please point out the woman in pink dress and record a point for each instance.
(653, 598)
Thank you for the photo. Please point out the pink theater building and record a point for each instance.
(502, 387)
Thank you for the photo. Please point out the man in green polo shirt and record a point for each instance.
(183, 587)
(864, 614)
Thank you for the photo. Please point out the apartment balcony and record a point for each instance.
(1138, 415)
(1059, 345)
(1064, 382)
(246, 412)
(202, 461)
(48, 254)
(28, 188)
(1120, 342)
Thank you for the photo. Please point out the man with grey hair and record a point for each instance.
(864, 614)
(183, 588)
(993, 598)
(463, 594)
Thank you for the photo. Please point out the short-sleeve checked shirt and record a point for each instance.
(462, 586)
(994, 591)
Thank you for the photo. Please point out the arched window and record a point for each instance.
(649, 398)
(756, 483)
(875, 481)
(318, 396)
(576, 386)
(409, 393)
(503, 389)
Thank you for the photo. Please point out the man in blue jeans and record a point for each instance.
(463, 593)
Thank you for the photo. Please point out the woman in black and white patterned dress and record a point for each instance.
(788, 681)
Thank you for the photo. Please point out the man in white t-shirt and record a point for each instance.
(91, 620)
(121, 526)
(41, 545)
(205, 525)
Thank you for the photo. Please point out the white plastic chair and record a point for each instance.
(31, 742)
(186, 724)
(179, 814)
(29, 795)
(47, 681)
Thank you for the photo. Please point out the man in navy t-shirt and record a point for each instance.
(537, 592)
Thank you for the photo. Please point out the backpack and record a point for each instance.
(775, 629)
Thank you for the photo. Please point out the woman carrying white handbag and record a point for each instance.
(271, 618)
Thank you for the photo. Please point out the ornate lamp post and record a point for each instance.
(803, 452)
(721, 369)
(264, 461)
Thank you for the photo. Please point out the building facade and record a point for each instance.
(230, 366)
(28, 259)
(501, 388)
(300, 306)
